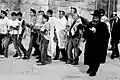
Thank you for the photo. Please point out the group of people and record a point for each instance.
(51, 36)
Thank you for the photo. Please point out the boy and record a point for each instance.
(45, 36)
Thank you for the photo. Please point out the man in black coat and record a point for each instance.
(97, 37)
(115, 30)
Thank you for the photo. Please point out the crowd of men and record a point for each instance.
(51, 36)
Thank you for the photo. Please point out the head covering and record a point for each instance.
(33, 10)
(102, 11)
(4, 12)
(114, 13)
(19, 14)
(96, 13)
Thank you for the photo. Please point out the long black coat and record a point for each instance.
(96, 44)
(115, 30)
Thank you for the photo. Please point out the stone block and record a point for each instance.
(20, 66)
(5, 65)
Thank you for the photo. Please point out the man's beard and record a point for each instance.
(94, 22)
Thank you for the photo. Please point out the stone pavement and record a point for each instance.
(18, 69)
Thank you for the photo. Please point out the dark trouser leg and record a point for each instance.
(69, 51)
(44, 50)
(115, 52)
(64, 54)
(30, 45)
(15, 42)
(77, 51)
(57, 52)
(94, 68)
(21, 45)
(1, 49)
(35, 45)
(6, 48)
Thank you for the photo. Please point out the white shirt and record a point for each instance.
(106, 20)
(63, 21)
(13, 24)
(3, 25)
(20, 28)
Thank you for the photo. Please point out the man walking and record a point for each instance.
(97, 37)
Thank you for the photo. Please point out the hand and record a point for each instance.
(93, 29)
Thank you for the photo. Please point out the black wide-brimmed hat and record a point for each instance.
(96, 13)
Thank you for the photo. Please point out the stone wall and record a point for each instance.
(84, 6)
(118, 8)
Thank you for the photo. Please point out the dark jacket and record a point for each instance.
(115, 30)
(96, 44)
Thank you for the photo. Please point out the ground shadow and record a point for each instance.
(82, 68)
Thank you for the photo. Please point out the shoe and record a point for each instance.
(2, 56)
(61, 59)
(25, 57)
(55, 58)
(16, 55)
(92, 74)
(34, 54)
(75, 62)
(39, 61)
(49, 61)
(112, 57)
(89, 71)
(43, 63)
(69, 61)
(19, 57)
(38, 57)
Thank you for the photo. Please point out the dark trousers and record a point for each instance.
(33, 38)
(1, 49)
(63, 52)
(115, 50)
(43, 48)
(73, 44)
(21, 45)
(14, 39)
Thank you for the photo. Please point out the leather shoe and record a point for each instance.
(92, 74)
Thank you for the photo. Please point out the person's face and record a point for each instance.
(61, 15)
(44, 20)
(31, 13)
(114, 16)
(3, 15)
(102, 14)
(75, 17)
(72, 11)
(19, 17)
(14, 17)
(95, 18)
(48, 14)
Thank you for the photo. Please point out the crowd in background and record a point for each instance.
(50, 36)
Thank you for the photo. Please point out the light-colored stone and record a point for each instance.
(5, 65)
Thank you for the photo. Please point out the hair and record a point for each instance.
(46, 17)
(4, 12)
(41, 11)
(33, 10)
(102, 11)
(62, 12)
(74, 9)
(13, 14)
(50, 11)
(19, 14)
